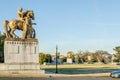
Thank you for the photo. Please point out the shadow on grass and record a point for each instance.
(81, 70)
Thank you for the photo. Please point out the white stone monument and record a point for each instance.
(21, 54)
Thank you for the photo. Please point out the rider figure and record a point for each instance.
(20, 14)
(25, 18)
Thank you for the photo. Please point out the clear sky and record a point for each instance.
(73, 25)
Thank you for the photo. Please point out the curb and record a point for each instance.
(55, 75)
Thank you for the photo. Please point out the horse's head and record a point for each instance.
(30, 14)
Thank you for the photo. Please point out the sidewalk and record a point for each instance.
(48, 75)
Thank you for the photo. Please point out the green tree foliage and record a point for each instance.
(117, 54)
(73, 58)
(90, 57)
(42, 58)
(77, 59)
(63, 59)
(94, 58)
(45, 58)
(2, 38)
(80, 55)
(48, 58)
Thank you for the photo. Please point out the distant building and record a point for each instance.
(54, 58)
(69, 57)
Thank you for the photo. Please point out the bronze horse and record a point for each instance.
(25, 26)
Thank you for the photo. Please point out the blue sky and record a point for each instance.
(73, 25)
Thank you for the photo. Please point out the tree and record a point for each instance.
(2, 38)
(48, 58)
(73, 58)
(102, 56)
(117, 54)
(42, 58)
(77, 58)
(63, 59)
(94, 58)
(85, 56)
(90, 57)
(80, 54)
(70, 54)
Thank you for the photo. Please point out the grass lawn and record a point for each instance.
(81, 68)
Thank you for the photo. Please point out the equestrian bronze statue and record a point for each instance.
(23, 23)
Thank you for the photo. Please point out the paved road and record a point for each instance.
(65, 78)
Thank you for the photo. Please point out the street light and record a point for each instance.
(56, 59)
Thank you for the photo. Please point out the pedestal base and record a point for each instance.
(21, 69)
(21, 66)
(21, 54)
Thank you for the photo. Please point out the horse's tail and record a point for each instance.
(5, 28)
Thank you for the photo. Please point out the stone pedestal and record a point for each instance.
(69, 61)
(21, 55)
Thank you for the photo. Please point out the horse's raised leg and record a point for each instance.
(28, 34)
(6, 28)
(24, 33)
(13, 34)
(9, 33)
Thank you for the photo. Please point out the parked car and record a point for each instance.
(115, 74)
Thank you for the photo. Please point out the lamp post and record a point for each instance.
(56, 59)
